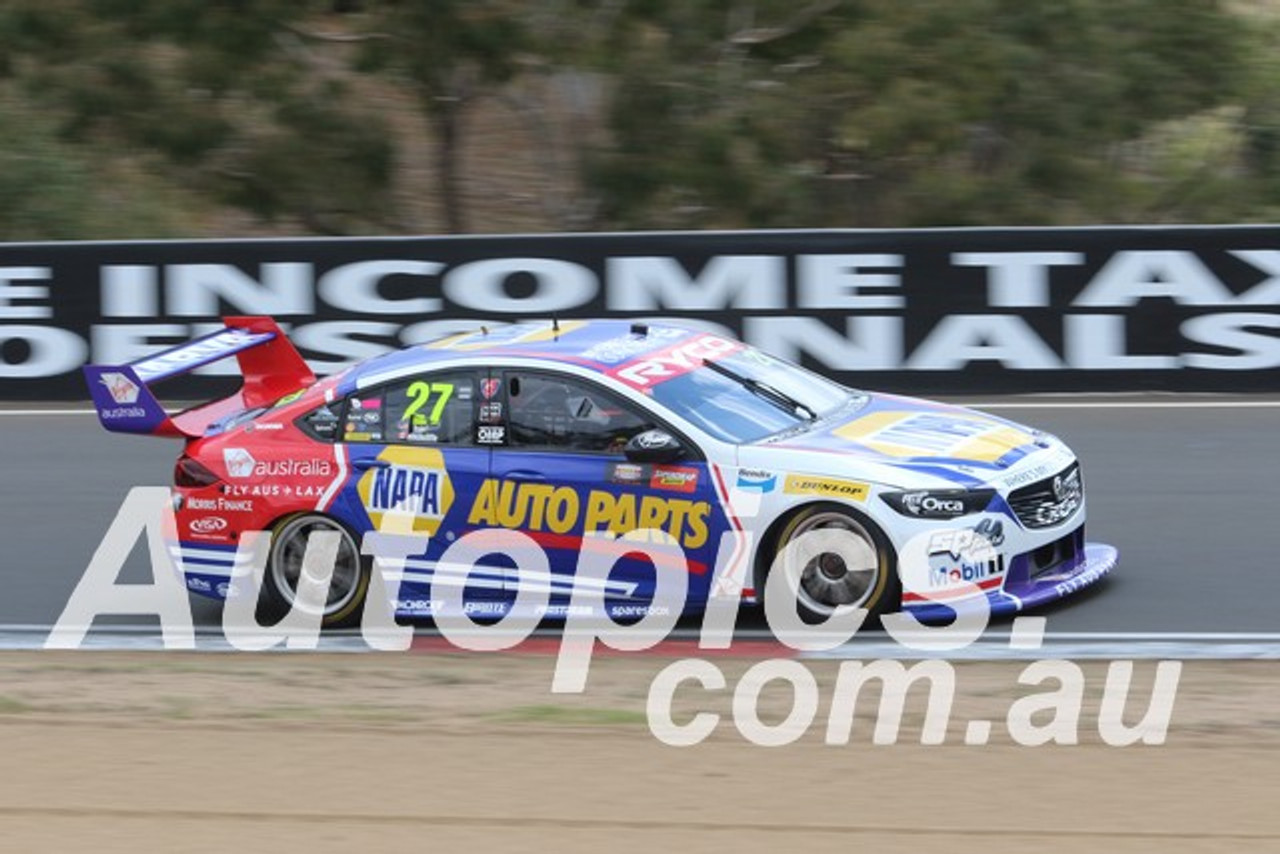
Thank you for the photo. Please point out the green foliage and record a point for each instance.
(759, 113)
(446, 49)
(884, 112)
(348, 154)
(450, 52)
(227, 92)
(42, 186)
(51, 189)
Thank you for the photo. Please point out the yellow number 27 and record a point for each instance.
(421, 392)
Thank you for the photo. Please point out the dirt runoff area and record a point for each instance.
(208, 752)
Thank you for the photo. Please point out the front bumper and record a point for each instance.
(1023, 590)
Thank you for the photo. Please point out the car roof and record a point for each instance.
(594, 344)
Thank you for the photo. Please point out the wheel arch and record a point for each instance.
(767, 546)
(275, 600)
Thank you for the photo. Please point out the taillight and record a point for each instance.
(188, 472)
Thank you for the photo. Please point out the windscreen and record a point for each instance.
(742, 408)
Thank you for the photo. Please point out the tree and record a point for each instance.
(883, 112)
(223, 91)
(450, 52)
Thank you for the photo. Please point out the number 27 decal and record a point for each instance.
(422, 392)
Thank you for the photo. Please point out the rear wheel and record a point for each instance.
(855, 568)
(286, 570)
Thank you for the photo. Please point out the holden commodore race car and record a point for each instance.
(575, 432)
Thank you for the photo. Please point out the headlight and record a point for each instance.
(939, 503)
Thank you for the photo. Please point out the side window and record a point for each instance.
(561, 412)
(430, 410)
(322, 423)
(363, 417)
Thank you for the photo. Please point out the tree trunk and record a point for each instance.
(448, 120)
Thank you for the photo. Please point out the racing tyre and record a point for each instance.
(857, 567)
(348, 587)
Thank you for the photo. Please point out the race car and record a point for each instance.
(576, 433)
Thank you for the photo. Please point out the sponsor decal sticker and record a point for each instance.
(936, 434)
(674, 361)
(492, 609)
(488, 434)
(674, 478)
(538, 507)
(220, 505)
(757, 480)
(984, 573)
(122, 389)
(123, 412)
(637, 610)
(225, 342)
(803, 484)
(276, 490)
(241, 464)
(208, 525)
(238, 461)
(415, 484)
(489, 387)
(424, 438)
(419, 607)
(960, 557)
(628, 473)
(563, 610)
(974, 543)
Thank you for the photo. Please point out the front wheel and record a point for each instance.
(286, 570)
(840, 559)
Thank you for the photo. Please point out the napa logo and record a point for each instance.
(957, 436)
(416, 491)
(411, 494)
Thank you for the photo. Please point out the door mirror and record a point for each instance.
(653, 446)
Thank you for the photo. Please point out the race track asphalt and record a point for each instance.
(1189, 496)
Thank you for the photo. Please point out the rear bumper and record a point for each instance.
(207, 568)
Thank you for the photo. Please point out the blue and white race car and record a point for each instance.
(579, 432)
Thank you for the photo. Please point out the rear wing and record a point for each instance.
(271, 367)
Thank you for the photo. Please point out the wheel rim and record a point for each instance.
(287, 566)
(830, 579)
